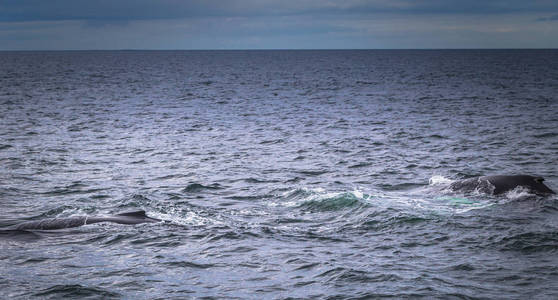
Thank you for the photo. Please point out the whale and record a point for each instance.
(500, 184)
(128, 218)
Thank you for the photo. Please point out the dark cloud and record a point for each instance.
(56, 10)
(476, 7)
(276, 24)
(552, 18)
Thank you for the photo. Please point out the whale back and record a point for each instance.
(135, 214)
(52, 223)
(505, 183)
(499, 184)
(129, 218)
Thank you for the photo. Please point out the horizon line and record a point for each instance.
(265, 49)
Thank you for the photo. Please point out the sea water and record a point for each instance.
(278, 174)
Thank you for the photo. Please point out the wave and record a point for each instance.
(320, 200)
(76, 291)
(335, 203)
(75, 188)
(530, 242)
(415, 202)
(197, 187)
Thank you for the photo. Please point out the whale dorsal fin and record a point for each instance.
(539, 179)
(138, 214)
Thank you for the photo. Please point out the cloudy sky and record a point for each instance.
(277, 24)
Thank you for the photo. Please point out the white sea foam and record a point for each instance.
(188, 219)
(439, 180)
(519, 193)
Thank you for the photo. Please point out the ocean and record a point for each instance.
(278, 174)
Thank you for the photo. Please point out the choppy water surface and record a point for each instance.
(302, 174)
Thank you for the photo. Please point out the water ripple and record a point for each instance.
(278, 174)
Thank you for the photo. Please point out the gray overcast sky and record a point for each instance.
(276, 24)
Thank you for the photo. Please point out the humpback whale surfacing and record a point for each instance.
(500, 184)
(129, 218)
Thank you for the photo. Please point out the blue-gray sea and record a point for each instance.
(278, 174)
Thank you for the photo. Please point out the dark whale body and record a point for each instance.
(499, 184)
(129, 218)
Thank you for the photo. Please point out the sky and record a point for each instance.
(277, 24)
